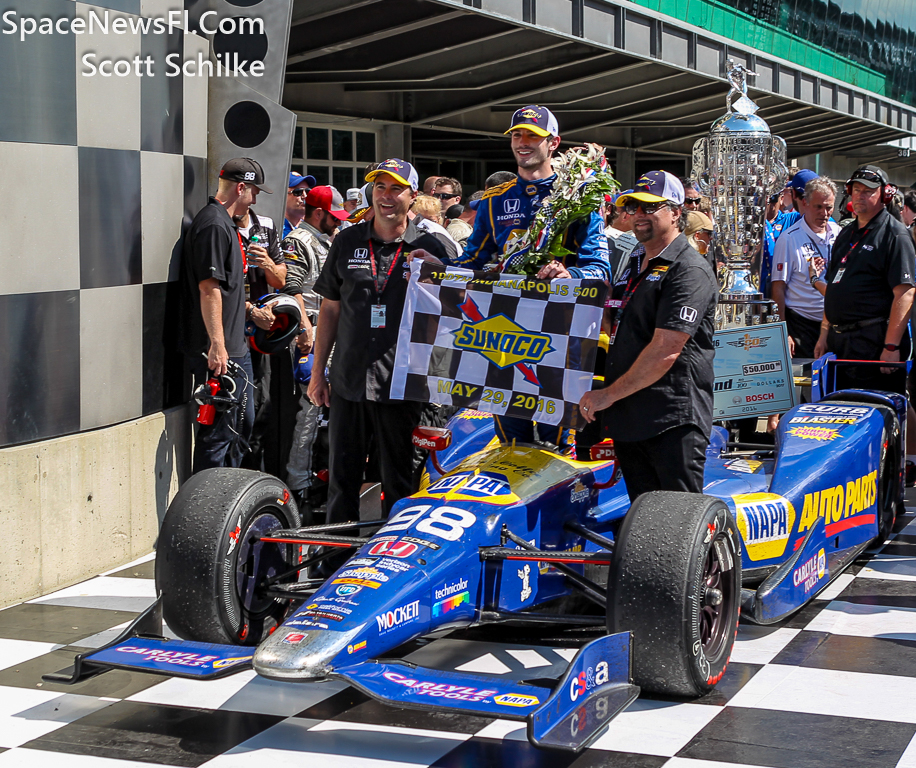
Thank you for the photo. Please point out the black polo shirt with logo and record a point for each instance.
(211, 249)
(866, 265)
(363, 355)
(675, 291)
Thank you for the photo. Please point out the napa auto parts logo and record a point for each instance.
(501, 341)
(766, 522)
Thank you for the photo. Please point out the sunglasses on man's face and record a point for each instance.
(299, 192)
(444, 195)
(647, 208)
(692, 200)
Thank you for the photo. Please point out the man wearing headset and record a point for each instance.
(869, 287)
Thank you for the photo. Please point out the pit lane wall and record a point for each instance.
(77, 506)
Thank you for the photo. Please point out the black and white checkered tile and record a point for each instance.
(835, 685)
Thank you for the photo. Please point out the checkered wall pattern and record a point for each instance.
(105, 172)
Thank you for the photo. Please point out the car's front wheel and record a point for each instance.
(675, 583)
(211, 563)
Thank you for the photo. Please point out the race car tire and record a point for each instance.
(675, 583)
(887, 487)
(209, 561)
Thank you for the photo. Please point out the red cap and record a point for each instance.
(328, 199)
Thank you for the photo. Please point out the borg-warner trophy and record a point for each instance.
(739, 165)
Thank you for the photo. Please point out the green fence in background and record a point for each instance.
(870, 44)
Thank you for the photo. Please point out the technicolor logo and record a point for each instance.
(451, 603)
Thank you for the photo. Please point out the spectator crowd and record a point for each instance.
(289, 331)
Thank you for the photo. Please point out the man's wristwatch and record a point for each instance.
(892, 347)
(817, 279)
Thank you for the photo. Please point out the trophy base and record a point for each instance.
(744, 312)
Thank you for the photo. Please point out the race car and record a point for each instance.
(521, 535)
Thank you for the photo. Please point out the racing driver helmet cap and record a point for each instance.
(655, 187)
(539, 120)
(401, 170)
(245, 170)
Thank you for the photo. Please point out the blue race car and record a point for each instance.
(519, 535)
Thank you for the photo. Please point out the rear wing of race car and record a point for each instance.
(568, 716)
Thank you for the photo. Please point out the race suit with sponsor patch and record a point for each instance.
(508, 209)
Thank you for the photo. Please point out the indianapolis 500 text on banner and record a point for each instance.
(507, 344)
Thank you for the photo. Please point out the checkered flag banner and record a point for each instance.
(506, 344)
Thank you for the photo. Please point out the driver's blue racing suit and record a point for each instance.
(508, 210)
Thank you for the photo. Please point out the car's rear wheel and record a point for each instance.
(888, 477)
(675, 583)
(210, 562)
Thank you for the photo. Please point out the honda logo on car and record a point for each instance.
(588, 679)
(810, 572)
(401, 615)
(398, 549)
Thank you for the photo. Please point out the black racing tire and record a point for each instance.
(208, 560)
(888, 478)
(677, 554)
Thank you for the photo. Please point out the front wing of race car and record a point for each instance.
(569, 715)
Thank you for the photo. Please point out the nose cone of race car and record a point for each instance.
(299, 654)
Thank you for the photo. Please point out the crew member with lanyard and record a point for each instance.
(658, 401)
(364, 284)
(869, 287)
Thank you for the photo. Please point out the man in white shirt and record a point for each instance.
(799, 263)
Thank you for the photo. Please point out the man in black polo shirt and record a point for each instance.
(869, 287)
(364, 285)
(213, 309)
(660, 362)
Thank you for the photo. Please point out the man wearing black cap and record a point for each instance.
(213, 308)
(869, 287)
(660, 358)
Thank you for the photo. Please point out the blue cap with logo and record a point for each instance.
(538, 120)
(297, 180)
(401, 170)
(800, 179)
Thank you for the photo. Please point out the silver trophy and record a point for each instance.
(739, 165)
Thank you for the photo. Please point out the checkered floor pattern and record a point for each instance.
(835, 685)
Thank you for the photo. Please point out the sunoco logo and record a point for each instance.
(399, 616)
(502, 341)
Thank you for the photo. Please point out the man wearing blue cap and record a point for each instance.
(783, 220)
(508, 209)
(299, 187)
